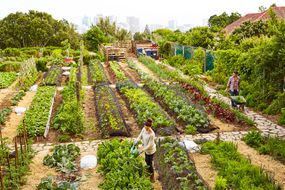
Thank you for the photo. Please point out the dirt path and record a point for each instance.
(38, 171)
(11, 125)
(93, 179)
(266, 162)
(130, 72)
(90, 121)
(205, 169)
(5, 97)
(222, 125)
(146, 70)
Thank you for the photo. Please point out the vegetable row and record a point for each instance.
(7, 78)
(108, 113)
(96, 73)
(144, 107)
(120, 168)
(36, 117)
(53, 76)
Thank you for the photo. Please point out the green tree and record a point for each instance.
(94, 37)
(35, 29)
(218, 22)
(200, 37)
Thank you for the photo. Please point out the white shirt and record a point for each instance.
(148, 139)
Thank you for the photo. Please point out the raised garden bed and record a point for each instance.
(7, 78)
(53, 76)
(109, 113)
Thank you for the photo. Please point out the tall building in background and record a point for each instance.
(134, 24)
(172, 24)
(153, 27)
(96, 18)
(86, 21)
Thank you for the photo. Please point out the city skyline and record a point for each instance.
(182, 14)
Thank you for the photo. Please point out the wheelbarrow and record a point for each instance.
(238, 102)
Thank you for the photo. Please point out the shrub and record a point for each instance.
(190, 129)
(41, 64)
(221, 183)
(281, 120)
(64, 138)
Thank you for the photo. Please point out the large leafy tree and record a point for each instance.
(218, 22)
(35, 29)
(94, 37)
(200, 37)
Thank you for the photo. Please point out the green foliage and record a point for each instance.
(281, 120)
(49, 183)
(10, 66)
(236, 169)
(218, 22)
(36, 116)
(15, 100)
(253, 139)
(64, 138)
(28, 75)
(200, 37)
(276, 105)
(220, 183)
(120, 75)
(53, 75)
(94, 37)
(96, 72)
(190, 130)
(178, 105)
(175, 168)
(266, 145)
(144, 107)
(4, 113)
(121, 169)
(70, 117)
(41, 64)
(7, 78)
(35, 29)
(108, 113)
(63, 158)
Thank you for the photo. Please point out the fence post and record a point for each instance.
(1, 177)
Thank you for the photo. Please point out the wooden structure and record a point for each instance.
(114, 53)
(146, 47)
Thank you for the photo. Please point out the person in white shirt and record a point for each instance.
(147, 136)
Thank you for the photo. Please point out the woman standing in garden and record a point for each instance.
(147, 136)
(233, 85)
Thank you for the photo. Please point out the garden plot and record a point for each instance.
(53, 76)
(198, 96)
(7, 78)
(14, 120)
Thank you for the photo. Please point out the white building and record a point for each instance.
(134, 24)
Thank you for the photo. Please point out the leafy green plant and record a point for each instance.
(15, 100)
(120, 168)
(64, 138)
(177, 104)
(220, 183)
(120, 75)
(7, 78)
(96, 72)
(49, 183)
(272, 146)
(28, 74)
(37, 116)
(108, 113)
(175, 169)
(4, 113)
(53, 75)
(236, 169)
(63, 158)
(281, 120)
(144, 107)
(190, 129)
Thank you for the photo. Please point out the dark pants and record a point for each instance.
(148, 160)
(234, 93)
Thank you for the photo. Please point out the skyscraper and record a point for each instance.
(172, 24)
(134, 24)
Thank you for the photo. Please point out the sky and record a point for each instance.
(191, 12)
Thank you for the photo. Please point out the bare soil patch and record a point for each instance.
(11, 125)
(275, 168)
(90, 122)
(38, 171)
(205, 169)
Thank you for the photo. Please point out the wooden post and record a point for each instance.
(21, 149)
(9, 167)
(1, 178)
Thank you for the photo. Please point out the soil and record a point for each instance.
(93, 179)
(5, 97)
(275, 168)
(38, 171)
(91, 124)
(222, 126)
(130, 72)
(109, 74)
(204, 168)
(11, 125)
